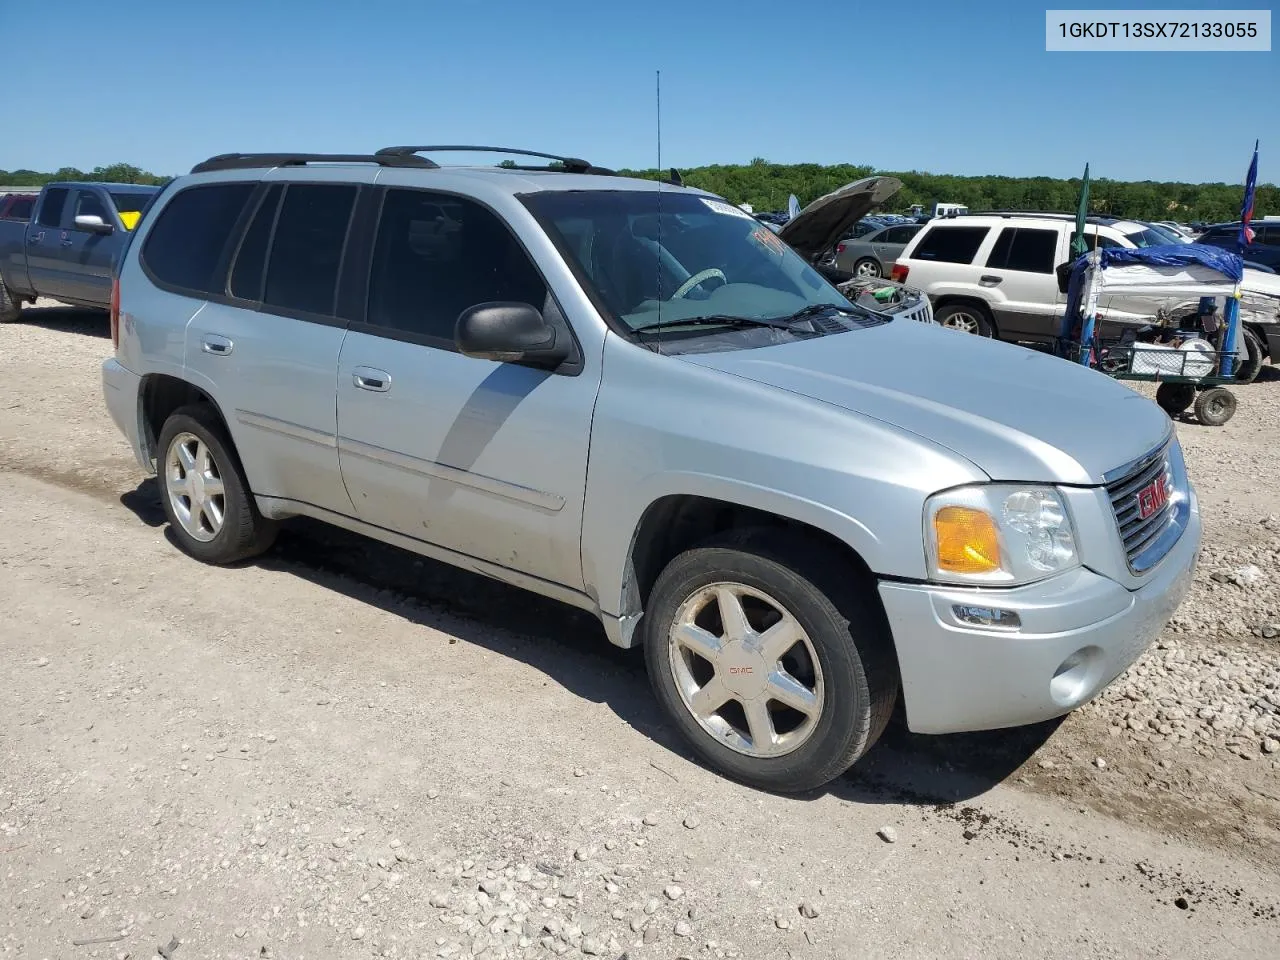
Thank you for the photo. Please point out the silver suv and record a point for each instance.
(635, 398)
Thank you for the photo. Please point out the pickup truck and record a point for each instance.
(68, 248)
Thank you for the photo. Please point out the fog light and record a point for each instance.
(987, 616)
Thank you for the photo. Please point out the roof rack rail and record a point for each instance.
(240, 161)
(569, 164)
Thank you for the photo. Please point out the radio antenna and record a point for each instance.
(657, 260)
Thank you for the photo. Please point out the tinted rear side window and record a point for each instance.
(1027, 250)
(306, 251)
(951, 244)
(51, 209)
(186, 246)
(251, 260)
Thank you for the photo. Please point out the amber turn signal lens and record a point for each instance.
(967, 540)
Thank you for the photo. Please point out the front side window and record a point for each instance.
(88, 205)
(184, 248)
(435, 256)
(306, 250)
(679, 256)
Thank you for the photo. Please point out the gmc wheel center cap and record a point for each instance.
(743, 671)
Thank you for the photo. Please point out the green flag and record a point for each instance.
(1078, 245)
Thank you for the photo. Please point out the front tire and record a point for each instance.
(771, 658)
(1251, 365)
(205, 497)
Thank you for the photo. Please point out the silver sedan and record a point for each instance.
(874, 254)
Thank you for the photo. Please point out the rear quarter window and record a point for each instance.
(950, 244)
(186, 247)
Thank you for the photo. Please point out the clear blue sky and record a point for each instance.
(947, 86)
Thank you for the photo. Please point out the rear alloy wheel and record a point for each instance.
(1215, 406)
(965, 318)
(206, 499)
(867, 268)
(765, 653)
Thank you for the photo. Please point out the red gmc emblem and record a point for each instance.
(1152, 498)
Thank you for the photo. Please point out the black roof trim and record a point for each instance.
(570, 164)
(241, 161)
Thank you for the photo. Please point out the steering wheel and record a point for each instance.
(700, 277)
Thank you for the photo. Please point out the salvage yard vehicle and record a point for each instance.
(636, 399)
(993, 274)
(68, 248)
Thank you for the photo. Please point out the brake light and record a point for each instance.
(899, 272)
(115, 312)
(839, 248)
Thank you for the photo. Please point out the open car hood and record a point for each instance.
(818, 227)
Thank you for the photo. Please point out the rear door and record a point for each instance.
(268, 342)
(47, 241)
(1020, 272)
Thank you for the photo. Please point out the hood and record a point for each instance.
(817, 228)
(1015, 413)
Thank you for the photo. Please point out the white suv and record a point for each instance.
(995, 274)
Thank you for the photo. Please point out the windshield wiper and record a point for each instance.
(713, 320)
(816, 309)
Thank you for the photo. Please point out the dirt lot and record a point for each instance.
(343, 751)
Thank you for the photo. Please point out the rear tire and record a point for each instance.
(210, 510)
(1175, 398)
(1215, 406)
(10, 305)
(868, 268)
(966, 318)
(843, 658)
(1251, 366)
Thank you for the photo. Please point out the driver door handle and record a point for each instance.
(371, 378)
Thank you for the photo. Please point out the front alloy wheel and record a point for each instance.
(746, 670)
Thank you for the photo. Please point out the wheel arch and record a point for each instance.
(673, 522)
(159, 395)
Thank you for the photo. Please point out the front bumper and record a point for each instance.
(1079, 632)
(120, 387)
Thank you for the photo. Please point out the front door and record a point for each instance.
(89, 255)
(483, 458)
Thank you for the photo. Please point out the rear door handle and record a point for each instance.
(988, 280)
(215, 344)
(35, 237)
(371, 378)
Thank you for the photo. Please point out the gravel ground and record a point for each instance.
(341, 750)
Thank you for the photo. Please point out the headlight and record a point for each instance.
(998, 534)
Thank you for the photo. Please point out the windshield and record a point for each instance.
(1146, 237)
(701, 257)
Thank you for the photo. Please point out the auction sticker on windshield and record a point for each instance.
(719, 206)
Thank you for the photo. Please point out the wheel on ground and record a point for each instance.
(1251, 365)
(1175, 398)
(10, 305)
(1215, 406)
(966, 318)
(867, 267)
(772, 659)
(204, 493)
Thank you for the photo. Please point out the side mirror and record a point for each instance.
(510, 333)
(92, 223)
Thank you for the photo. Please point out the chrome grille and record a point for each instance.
(1140, 534)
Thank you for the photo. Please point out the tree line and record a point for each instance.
(766, 186)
